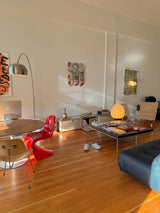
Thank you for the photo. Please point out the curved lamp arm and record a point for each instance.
(31, 79)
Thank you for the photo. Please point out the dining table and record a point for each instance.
(18, 128)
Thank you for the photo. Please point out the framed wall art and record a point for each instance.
(75, 74)
(130, 81)
(5, 81)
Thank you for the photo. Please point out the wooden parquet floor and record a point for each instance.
(74, 181)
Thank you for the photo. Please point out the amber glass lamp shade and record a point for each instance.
(117, 111)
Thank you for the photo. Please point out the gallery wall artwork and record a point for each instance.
(75, 74)
(5, 82)
(130, 81)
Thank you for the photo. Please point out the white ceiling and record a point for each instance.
(147, 11)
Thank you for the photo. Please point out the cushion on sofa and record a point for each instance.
(155, 174)
(137, 161)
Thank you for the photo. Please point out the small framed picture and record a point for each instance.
(130, 81)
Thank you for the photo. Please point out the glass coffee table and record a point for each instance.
(120, 136)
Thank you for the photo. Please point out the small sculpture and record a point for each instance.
(64, 115)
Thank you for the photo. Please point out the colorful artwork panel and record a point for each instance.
(75, 74)
(130, 81)
(5, 83)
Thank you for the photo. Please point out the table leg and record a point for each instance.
(100, 136)
(88, 133)
(152, 136)
(136, 140)
(117, 144)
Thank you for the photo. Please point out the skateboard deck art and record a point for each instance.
(81, 74)
(70, 74)
(75, 74)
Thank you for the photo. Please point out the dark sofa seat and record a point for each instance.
(137, 161)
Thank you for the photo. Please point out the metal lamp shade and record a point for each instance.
(20, 70)
(17, 69)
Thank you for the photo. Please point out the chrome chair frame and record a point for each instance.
(11, 163)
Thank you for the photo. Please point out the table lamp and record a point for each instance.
(117, 111)
(18, 69)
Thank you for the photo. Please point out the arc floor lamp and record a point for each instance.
(18, 69)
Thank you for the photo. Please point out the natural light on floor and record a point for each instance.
(146, 205)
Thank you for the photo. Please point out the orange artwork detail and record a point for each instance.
(4, 76)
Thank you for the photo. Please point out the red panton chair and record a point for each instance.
(46, 133)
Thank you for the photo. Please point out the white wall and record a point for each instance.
(50, 45)
(138, 54)
(55, 32)
(75, 44)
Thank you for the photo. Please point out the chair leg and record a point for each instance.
(4, 169)
(26, 177)
(31, 164)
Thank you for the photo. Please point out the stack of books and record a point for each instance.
(115, 130)
(126, 128)
(97, 124)
(116, 123)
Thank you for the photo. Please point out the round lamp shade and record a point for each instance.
(117, 111)
(17, 69)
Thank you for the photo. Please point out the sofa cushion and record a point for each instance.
(136, 161)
